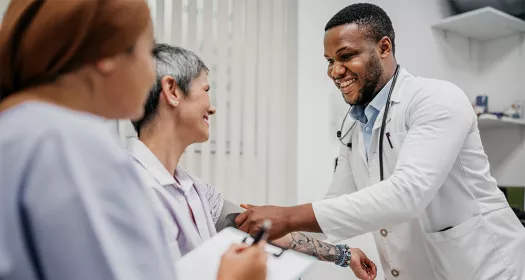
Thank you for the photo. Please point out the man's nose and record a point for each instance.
(338, 70)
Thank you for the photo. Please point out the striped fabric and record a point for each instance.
(211, 200)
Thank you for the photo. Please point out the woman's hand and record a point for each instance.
(243, 262)
(361, 265)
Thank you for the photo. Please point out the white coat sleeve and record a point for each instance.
(438, 120)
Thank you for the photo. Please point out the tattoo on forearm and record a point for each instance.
(313, 247)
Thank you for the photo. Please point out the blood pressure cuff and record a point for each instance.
(228, 214)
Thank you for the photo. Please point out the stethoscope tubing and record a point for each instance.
(382, 131)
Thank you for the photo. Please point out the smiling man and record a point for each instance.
(416, 174)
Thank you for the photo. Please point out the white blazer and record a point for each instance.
(436, 176)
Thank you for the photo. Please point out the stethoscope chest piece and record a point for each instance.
(339, 132)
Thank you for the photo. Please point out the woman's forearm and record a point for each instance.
(302, 243)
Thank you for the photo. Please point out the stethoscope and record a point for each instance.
(382, 131)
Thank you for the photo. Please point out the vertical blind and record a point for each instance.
(250, 156)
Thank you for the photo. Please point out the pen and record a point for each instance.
(263, 234)
(388, 138)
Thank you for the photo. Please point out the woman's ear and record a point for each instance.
(170, 90)
(106, 66)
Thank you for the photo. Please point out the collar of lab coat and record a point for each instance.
(395, 97)
(396, 93)
(138, 150)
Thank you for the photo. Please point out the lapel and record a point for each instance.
(184, 222)
(360, 165)
(358, 159)
(201, 188)
(394, 99)
(361, 145)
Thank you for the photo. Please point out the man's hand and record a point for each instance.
(284, 219)
(251, 220)
(362, 266)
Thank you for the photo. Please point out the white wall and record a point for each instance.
(420, 49)
(502, 71)
(502, 78)
(3, 7)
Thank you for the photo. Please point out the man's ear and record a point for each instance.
(385, 47)
(170, 90)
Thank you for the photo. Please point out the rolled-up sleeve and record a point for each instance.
(439, 120)
(215, 201)
(89, 215)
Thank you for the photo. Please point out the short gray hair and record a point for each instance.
(183, 65)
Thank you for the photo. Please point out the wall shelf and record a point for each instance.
(489, 121)
(482, 24)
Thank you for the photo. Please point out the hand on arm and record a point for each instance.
(284, 219)
(297, 218)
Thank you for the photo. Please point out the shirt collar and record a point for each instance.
(379, 100)
(182, 175)
(138, 150)
(357, 112)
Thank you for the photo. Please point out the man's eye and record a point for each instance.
(346, 56)
(330, 61)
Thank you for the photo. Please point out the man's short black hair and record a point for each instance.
(371, 18)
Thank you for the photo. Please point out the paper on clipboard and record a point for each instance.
(203, 262)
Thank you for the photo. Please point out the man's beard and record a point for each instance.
(374, 71)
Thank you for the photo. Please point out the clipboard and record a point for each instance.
(278, 252)
(203, 262)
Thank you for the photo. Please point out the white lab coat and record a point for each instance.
(436, 176)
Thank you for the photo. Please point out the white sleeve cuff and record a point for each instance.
(322, 214)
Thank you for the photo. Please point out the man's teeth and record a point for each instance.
(347, 83)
